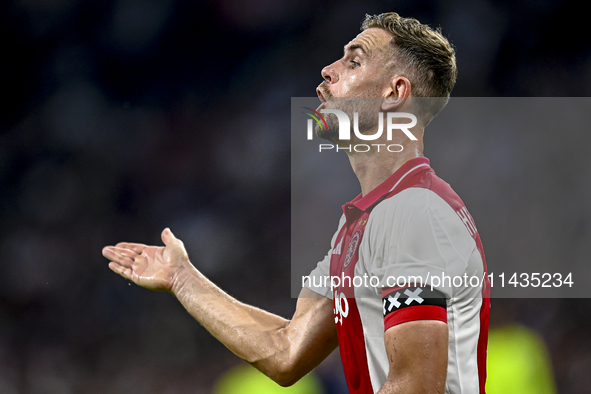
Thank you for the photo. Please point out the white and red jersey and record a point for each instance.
(403, 248)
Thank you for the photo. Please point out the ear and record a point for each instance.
(396, 94)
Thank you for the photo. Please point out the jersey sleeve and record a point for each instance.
(319, 279)
(415, 239)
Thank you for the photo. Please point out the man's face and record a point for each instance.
(361, 72)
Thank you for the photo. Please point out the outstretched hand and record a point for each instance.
(152, 267)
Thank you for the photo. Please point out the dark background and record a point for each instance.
(123, 117)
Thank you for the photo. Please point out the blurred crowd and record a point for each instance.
(122, 117)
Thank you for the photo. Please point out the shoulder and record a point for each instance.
(419, 222)
(414, 206)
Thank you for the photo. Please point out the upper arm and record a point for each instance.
(417, 356)
(311, 334)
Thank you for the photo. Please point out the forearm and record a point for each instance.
(284, 350)
(257, 336)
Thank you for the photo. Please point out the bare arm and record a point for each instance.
(285, 350)
(417, 353)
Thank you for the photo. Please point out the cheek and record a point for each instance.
(370, 84)
(351, 85)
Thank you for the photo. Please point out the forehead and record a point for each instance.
(371, 39)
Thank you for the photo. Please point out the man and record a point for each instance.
(416, 337)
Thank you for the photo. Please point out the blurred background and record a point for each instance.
(122, 117)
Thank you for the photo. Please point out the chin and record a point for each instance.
(327, 135)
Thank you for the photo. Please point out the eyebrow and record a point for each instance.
(352, 47)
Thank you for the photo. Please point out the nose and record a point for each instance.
(329, 74)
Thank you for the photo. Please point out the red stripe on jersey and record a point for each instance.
(353, 351)
(347, 319)
(484, 317)
(417, 312)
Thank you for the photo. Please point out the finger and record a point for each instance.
(121, 256)
(138, 248)
(123, 271)
(110, 253)
(132, 254)
(168, 237)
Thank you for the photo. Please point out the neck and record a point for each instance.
(374, 167)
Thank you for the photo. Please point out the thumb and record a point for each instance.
(168, 237)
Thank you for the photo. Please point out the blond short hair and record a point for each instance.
(421, 54)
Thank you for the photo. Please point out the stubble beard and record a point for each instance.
(366, 108)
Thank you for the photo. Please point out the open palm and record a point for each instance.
(152, 267)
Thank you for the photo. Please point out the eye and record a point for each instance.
(354, 64)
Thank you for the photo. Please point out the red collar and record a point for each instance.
(409, 168)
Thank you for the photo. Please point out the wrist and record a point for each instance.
(181, 277)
